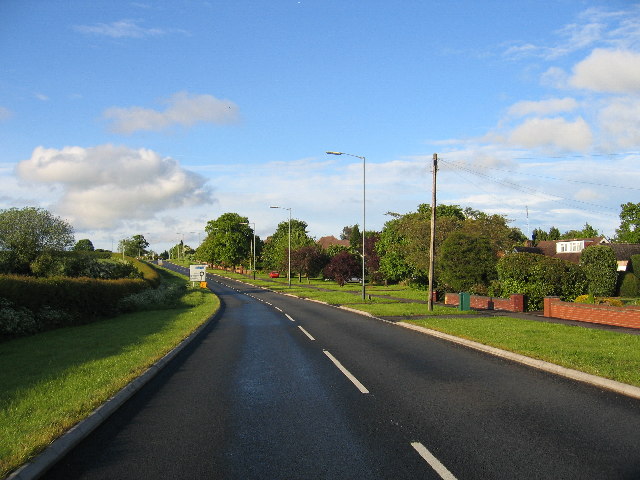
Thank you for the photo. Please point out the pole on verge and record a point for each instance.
(432, 240)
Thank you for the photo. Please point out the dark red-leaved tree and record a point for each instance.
(309, 260)
(342, 267)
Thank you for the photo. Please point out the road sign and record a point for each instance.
(197, 273)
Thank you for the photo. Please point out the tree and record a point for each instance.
(342, 267)
(346, 233)
(27, 233)
(390, 247)
(467, 263)
(228, 240)
(135, 246)
(601, 268)
(629, 230)
(275, 250)
(308, 260)
(372, 259)
(355, 239)
(83, 245)
(587, 232)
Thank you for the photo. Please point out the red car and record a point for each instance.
(274, 274)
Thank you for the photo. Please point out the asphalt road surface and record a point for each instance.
(281, 388)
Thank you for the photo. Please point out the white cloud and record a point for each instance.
(588, 195)
(619, 123)
(552, 132)
(5, 114)
(543, 107)
(555, 77)
(104, 185)
(613, 71)
(183, 109)
(120, 29)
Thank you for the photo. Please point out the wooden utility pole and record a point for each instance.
(432, 240)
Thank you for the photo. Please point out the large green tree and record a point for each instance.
(629, 230)
(135, 246)
(29, 233)
(587, 232)
(83, 245)
(228, 241)
(275, 250)
(404, 240)
(467, 263)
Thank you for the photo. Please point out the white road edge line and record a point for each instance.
(306, 333)
(433, 461)
(346, 372)
(289, 317)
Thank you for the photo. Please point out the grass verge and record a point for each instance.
(604, 353)
(53, 380)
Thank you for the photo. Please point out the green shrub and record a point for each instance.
(630, 285)
(18, 321)
(166, 296)
(585, 299)
(537, 276)
(601, 268)
(613, 302)
(15, 321)
(634, 265)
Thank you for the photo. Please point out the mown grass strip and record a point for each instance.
(604, 353)
(53, 380)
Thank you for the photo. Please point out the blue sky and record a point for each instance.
(128, 117)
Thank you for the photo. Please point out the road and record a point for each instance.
(280, 388)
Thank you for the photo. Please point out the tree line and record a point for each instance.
(469, 246)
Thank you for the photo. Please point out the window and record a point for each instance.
(567, 247)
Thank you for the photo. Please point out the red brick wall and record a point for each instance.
(604, 314)
(513, 304)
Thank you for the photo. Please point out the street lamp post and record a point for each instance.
(364, 209)
(289, 272)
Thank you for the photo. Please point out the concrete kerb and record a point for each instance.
(605, 383)
(601, 382)
(61, 446)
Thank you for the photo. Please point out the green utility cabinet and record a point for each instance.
(465, 301)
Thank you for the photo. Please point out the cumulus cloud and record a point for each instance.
(543, 107)
(619, 123)
(612, 71)
(552, 132)
(183, 109)
(555, 77)
(104, 185)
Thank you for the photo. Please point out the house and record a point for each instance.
(326, 242)
(570, 250)
(623, 253)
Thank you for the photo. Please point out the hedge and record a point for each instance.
(84, 298)
(537, 276)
